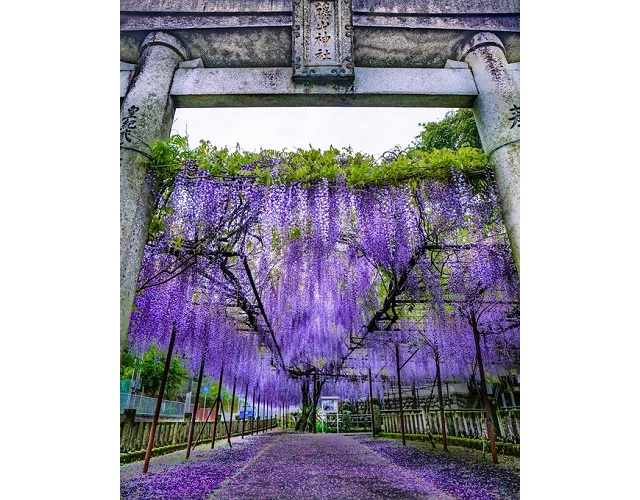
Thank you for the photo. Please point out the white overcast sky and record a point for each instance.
(367, 130)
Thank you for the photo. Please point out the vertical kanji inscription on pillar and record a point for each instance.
(322, 40)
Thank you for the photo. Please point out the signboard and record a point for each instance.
(242, 414)
(329, 404)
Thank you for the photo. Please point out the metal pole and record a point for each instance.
(373, 430)
(156, 415)
(215, 422)
(195, 409)
(244, 413)
(404, 443)
(233, 396)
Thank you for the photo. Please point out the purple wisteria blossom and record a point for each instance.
(283, 280)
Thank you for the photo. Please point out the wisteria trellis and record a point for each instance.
(285, 281)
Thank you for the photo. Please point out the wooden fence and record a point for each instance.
(459, 423)
(134, 436)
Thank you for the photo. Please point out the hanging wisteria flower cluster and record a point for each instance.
(284, 280)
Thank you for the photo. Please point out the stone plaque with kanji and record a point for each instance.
(322, 40)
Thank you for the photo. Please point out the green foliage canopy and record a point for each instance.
(456, 130)
(450, 146)
(150, 368)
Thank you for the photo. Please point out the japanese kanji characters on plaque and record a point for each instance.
(323, 45)
(322, 41)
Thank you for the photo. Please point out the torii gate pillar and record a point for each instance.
(497, 114)
(146, 115)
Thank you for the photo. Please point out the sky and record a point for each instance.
(366, 130)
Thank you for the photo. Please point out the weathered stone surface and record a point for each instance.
(322, 40)
(271, 47)
(133, 22)
(461, 22)
(497, 114)
(396, 33)
(194, 63)
(125, 80)
(411, 48)
(226, 48)
(437, 6)
(515, 72)
(375, 6)
(219, 87)
(225, 6)
(146, 115)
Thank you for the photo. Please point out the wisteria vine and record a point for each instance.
(286, 280)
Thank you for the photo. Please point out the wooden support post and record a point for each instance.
(224, 420)
(483, 392)
(373, 429)
(256, 419)
(404, 443)
(217, 405)
(253, 406)
(244, 413)
(441, 402)
(156, 415)
(195, 410)
(314, 403)
(264, 419)
(233, 395)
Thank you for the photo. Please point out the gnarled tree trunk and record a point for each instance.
(307, 420)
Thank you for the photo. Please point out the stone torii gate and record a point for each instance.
(224, 53)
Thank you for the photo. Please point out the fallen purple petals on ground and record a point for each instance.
(173, 477)
(324, 466)
(288, 465)
(464, 480)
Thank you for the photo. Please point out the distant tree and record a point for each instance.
(457, 129)
(149, 367)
